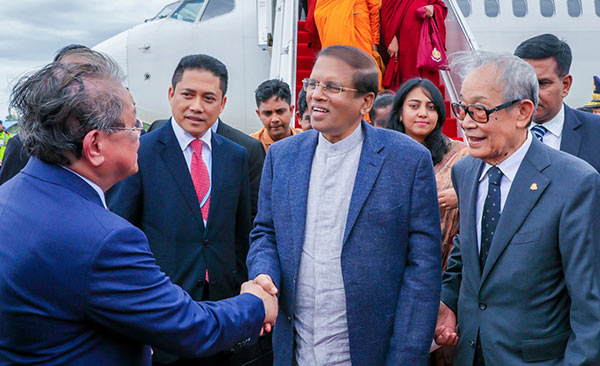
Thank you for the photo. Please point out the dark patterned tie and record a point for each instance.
(491, 213)
(539, 131)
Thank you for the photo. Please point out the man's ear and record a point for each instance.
(223, 102)
(367, 103)
(93, 144)
(525, 110)
(567, 81)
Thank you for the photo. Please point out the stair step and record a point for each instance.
(301, 24)
(304, 50)
(305, 63)
(303, 37)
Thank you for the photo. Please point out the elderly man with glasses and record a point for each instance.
(347, 230)
(523, 277)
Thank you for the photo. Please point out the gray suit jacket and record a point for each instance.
(538, 297)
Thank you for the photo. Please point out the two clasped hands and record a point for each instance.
(264, 288)
(445, 329)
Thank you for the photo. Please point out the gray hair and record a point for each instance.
(62, 102)
(517, 77)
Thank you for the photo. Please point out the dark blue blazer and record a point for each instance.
(160, 199)
(581, 136)
(79, 285)
(537, 299)
(391, 256)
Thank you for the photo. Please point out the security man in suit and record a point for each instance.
(523, 276)
(555, 123)
(191, 194)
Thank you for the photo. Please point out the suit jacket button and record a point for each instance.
(200, 283)
(205, 242)
(289, 318)
(472, 342)
(482, 306)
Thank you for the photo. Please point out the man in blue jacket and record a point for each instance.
(348, 230)
(78, 284)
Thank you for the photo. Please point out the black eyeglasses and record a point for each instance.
(478, 112)
(311, 85)
(138, 127)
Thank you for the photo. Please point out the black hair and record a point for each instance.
(381, 101)
(302, 104)
(272, 88)
(545, 46)
(435, 142)
(366, 77)
(73, 46)
(201, 62)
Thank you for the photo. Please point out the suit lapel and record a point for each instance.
(172, 156)
(472, 190)
(299, 179)
(527, 188)
(369, 166)
(571, 140)
(219, 165)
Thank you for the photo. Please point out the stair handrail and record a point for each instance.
(283, 57)
(456, 26)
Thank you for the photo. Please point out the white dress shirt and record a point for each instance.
(184, 139)
(509, 168)
(553, 137)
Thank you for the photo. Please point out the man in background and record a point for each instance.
(555, 123)
(275, 110)
(191, 195)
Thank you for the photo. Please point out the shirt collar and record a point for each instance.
(215, 126)
(341, 147)
(510, 166)
(184, 138)
(92, 184)
(555, 125)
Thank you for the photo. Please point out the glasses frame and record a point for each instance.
(326, 88)
(487, 111)
(138, 127)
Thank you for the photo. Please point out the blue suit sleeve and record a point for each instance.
(579, 244)
(418, 303)
(263, 256)
(127, 292)
(453, 274)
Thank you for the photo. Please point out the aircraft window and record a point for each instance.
(492, 8)
(574, 8)
(465, 7)
(216, 8)
(597, 4)
(189, 10)
(519, 8)
(166, 11)
(547, 8)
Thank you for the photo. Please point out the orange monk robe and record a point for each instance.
(348, 22)
(263, 136)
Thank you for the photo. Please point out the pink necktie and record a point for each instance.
(200, 176)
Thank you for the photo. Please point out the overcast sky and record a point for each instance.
(31, 31)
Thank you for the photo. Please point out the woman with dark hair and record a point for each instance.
(419, 112)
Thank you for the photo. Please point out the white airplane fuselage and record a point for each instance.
(150, 51)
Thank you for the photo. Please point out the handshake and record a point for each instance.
(264, 288)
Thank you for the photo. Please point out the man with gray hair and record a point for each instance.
(522, 278)
(78, 284)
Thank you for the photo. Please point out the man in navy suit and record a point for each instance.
(348, 230)
(200, 240)
(555, 123)
(78, 284)
(523, 276)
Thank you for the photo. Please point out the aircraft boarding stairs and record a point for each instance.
(292, 59)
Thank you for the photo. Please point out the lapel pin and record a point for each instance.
(533, 187)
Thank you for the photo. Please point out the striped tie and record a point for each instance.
(200, 177)
(539, 131)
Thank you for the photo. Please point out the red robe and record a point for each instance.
(403, 19)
